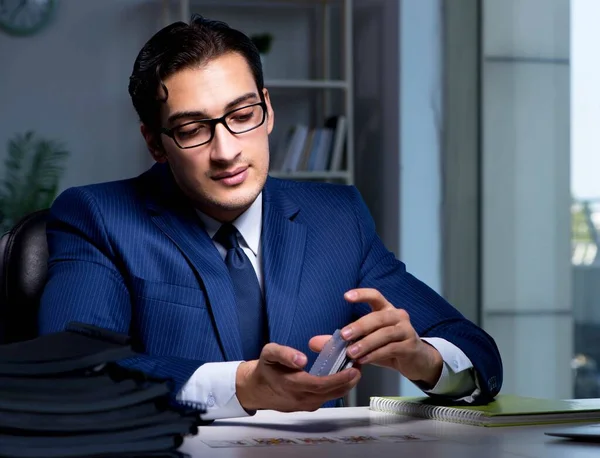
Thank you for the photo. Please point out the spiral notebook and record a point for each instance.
(505, 410)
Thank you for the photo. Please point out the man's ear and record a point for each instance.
(270, 112)
(154, 144)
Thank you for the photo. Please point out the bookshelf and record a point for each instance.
(309, 90)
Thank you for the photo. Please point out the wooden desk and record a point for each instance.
(453, 440)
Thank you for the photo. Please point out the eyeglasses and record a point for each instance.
(196, 133)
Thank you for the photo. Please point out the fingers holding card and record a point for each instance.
(333, 358)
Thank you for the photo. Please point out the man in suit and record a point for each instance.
(229, 280)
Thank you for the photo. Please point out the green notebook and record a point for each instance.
(505, 410)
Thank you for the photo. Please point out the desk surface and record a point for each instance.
(449, 439)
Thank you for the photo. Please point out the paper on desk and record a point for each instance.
(317, 440)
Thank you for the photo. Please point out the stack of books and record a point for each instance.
(312, 149)
(64, 395)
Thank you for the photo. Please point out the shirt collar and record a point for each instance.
(249, 224)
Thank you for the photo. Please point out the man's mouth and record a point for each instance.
(232, 177)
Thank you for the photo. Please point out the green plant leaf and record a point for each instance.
(33, 169)
(262, 42)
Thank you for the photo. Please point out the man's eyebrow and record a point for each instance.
(203, 115)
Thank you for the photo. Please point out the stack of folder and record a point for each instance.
(64, 395)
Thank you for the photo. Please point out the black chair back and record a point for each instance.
(23, 271)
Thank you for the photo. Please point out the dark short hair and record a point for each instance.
(180, 46)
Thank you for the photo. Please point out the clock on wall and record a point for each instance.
(25, 17)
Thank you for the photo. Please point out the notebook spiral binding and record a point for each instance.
(431, 412)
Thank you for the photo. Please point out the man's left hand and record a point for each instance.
(385, 337)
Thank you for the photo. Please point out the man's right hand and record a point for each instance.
(277, 381)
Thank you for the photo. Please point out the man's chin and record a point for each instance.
(229, 199)
(236, 197)
(235, 200)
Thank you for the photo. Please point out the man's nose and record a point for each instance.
(225, 145)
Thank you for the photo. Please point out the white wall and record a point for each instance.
(420, 128)
(69, 83)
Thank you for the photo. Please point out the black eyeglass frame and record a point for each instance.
(213, 124)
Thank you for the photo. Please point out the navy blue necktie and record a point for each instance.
(248, 295)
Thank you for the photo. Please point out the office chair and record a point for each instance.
(23, 270)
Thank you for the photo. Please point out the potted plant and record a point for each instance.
(32, 171)
(263, 42)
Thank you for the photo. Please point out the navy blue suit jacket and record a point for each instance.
(132, 256)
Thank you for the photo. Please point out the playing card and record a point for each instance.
(317, 440)
(333, 357)
(407, 437)
(359, 439)
(274, 441)
(229, 443)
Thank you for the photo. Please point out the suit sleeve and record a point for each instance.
(430, 314)
(84, 282)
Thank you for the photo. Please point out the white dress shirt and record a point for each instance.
(213, 384)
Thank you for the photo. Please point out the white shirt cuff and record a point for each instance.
(457, 378)
(212, 386)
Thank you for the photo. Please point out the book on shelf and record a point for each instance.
(504, 410)
(295, 146)
(339, 125)
(318, 149)
(321, 148)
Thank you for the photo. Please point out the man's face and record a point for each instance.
(222, 177)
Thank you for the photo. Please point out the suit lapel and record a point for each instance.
(180, 223)
(283, 246)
